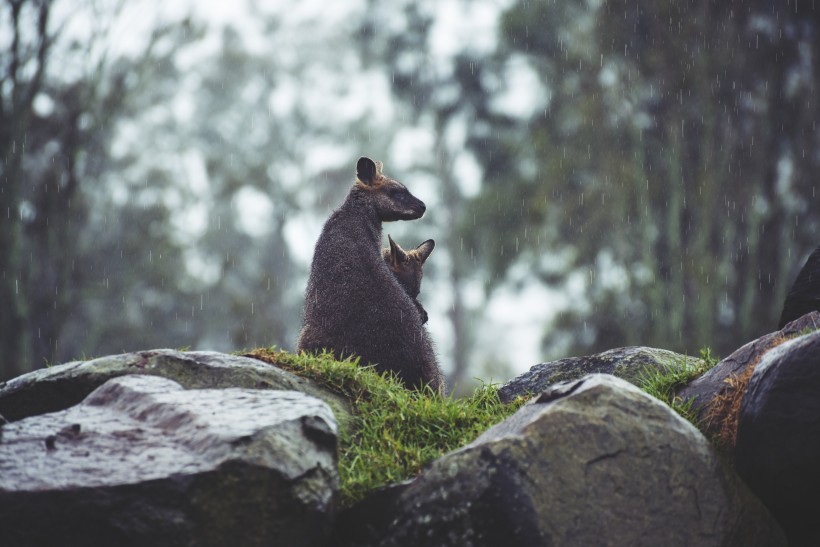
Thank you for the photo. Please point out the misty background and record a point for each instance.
(598, 173)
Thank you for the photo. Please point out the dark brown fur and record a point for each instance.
(407, 267)
(353, 303)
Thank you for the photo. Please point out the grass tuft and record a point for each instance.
(395, 432)
(663, 383)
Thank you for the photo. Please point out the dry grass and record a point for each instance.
(723, 415)
(724, 411)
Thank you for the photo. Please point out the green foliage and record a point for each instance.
(93, 271)
(395, 432)
(646, 165)
(663, 383)
(709, 360)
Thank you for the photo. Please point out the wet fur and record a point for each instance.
(353, 303)
(407, 267)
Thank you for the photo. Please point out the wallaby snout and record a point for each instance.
(404, 207)
(418, 207)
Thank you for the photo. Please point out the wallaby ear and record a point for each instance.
(425, 249)
(366, 170)
(397, 254)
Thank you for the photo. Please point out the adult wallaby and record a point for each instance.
(353, 303)
(407, 268)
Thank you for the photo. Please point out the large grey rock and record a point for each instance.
(143, 462)
(718, 393)
(627, 363)
(778, 436)
(592, 462)
(59, 387)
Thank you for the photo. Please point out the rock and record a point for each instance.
(143, 462)
(368, 521)
(718, 393)
(778, 436)
(59, 387)
(627, 363)
(591, 462)
(804, 296)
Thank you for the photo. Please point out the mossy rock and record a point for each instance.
(595, 461)
(627, 363)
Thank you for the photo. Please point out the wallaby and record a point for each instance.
(353, 303)
(407, 268)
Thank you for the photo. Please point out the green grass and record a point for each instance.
(665, 382)
(395, 432)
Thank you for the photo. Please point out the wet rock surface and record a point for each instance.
(626, 363)
(130, 457)
(141, 461)
(718, 393)
(61, 386)
(591, 462)
(778, 436)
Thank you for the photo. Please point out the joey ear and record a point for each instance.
(397, 254)
(425, 249)
(366, 170)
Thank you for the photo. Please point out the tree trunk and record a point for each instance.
(453, 205)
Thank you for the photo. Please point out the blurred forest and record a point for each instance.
(648, 168)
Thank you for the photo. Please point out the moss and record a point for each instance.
(804, 331)
(562, 377)
(394, 432)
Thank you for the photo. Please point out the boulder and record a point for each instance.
(627, 363)
(61, 386)
(778, 436)
(143, 462)
(718, 393)
(804, 296)
(590, 462)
